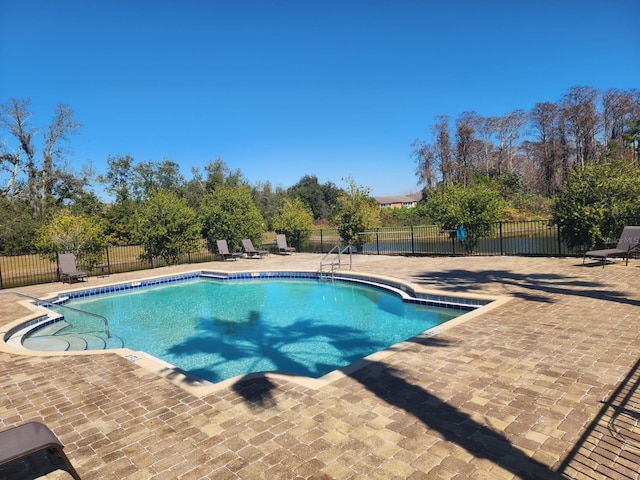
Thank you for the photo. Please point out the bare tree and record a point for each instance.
(619, 108)
(620, 112)
(486, 128)
(583, 126)
(545, 120)
(426, 161)
(40, 178)
(509, 128)
(14, 117)
(465, 131)
(442, 149)
(59, 130)
(582, 121)
(10, 169)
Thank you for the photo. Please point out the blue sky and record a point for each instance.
(283, 89)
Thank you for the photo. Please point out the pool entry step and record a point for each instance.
(53, 339)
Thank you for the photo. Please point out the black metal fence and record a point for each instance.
(537, 237)
(31, 269)
(540, 238)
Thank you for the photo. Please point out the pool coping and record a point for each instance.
(475, 304)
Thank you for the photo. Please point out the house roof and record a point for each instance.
(398, 199)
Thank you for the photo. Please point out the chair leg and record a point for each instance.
(69, 466)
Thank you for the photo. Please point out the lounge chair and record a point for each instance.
(68, 270)
(24, 442)
(628, 241)
(247, 246)
(283, 248)
(223, 251)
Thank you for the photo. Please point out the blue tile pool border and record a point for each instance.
(407, 294)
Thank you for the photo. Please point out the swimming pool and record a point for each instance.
(216, 329)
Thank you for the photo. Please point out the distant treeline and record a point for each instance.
(538, 148)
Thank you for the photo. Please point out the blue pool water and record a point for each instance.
(216, 329)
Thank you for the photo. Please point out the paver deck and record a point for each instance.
(544, 386)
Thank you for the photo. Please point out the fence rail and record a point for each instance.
(540, 238)
(536, 237)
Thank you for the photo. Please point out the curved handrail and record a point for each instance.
(337, 252)
(45, 303)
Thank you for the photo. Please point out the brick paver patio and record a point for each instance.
(543, 386)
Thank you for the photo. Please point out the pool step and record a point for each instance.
(50, 329)
(46, 344)
(114, 342)
(71, 342)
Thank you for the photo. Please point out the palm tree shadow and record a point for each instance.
(224, 341)
(537, 287)
(256, 390)
(455, 426)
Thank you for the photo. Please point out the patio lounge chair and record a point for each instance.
(68, 270)
(24, 442)
(223, 251)
(283, 248)
(628, 241)
(248, 248)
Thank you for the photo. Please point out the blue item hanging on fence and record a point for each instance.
(461, 233)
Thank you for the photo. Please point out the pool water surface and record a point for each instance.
(215, 329)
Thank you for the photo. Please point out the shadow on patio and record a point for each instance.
(455, 426)
(610, 445)
(541, 287)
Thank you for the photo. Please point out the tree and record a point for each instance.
(166, 227)
(583, 127)
(596, 202)
(487, 128)
(294, 219)
(402, 217)
(38, 187)
(14, 116)
(508, 129)
(354, 213)
(267, 200)
(118, 183)
(81, 235)
(426, 162)
(619, 109)
(229, 213)
(580, 111)
(219, 174)
(443, 149)
(62, 125)
(476, 208)
(465, 141)
(546, 149)
(117, 179)
(631, 137)
(317, 197)
(148, 177)
(17, 227)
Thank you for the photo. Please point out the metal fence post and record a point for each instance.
(559, 241)
(108, 261)
(501, 247)
(413, 247)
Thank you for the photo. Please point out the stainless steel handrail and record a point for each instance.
(337, 252)
(77, 310)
